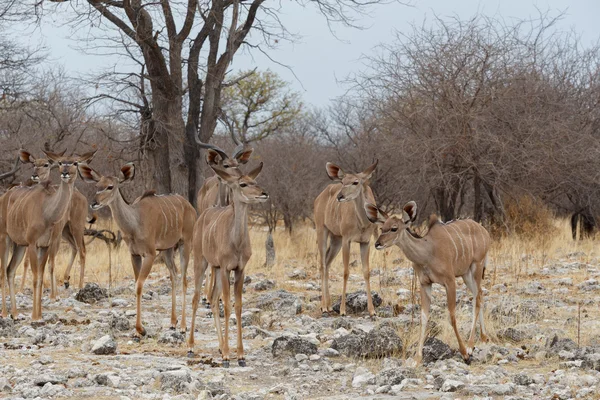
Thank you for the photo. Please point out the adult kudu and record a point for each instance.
(34, 219)
(73, 231)
(153, 222)
(222, 242)
(448, 251)
(340, 217)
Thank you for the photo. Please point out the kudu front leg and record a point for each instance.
(226, 296)
(451, 296)
(170, 263)
(145, 269)
(238, 289)
(364, 255)
(346, 260)
(18, 253)
(425, 305)
(200, 266)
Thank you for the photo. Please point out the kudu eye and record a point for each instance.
(75, 163)
(46, 165)
(355, 183)
(109, 187)
(394, 229)
(243, 184)
(225, 165)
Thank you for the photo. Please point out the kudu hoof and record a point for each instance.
(67, 285)
(225, 363)
(137, 339)
(172, 328)
(324, 314)
(468, 360)
(190, 354)
(242, 362)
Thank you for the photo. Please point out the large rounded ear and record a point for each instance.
(369, 171)
(54, 157)
(334, 172)
(213, 157)
(243, 155)
(255, 172)
(221, 173)
(87, 174)
(409, 212)
(127, 173)
(26, 157)
(374, 214)
(87, 157)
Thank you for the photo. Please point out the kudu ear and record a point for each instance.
(367, 173)
(409, 212)
(87, 157)
(87, 174)
(212, 157)
(221, 173)
(255, 172)
(334, 172)
(26, 157)
(127, 173)
(374, 214)
(243, 156)
(54, 156)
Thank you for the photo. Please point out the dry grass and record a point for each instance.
(513, 261)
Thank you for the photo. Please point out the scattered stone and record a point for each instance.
(451, 385)
(281, 301)
(171, 336)
(512, 334)
(120, 323)
(176, 380)
(104, 345)
(263, 285)
(522, 379)
(434, 350)
(298, 274)
(379, 342)
(7, 327)
(362, 376)
(292, 345)
(345, 323)
(53, 379)
(91, 293)
(356, 302)
(5, 385)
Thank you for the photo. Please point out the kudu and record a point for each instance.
(154, 222)
(222, 242)
(35, 219)
(214, 192)
(447, 251)
(74, 229)
(341, 218)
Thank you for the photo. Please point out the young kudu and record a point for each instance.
(35, 219)
(221, 241)
(447, 251)
(74, 229)
(214, 192)
(151, 223)
(341, 218)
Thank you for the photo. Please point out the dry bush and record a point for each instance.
(528, 217)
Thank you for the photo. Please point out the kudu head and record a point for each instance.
(107, 187)
(215, 156)
(41, 166)
(391, 227)
(352, 184)
(244, 187)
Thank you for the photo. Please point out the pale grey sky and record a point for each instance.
(318, 58)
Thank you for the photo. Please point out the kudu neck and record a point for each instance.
(240, 219)
(124, 214)
(359, 207)
(417, 250)
(58, 203)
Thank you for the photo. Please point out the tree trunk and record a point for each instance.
(477, 209)
(270, 250)
(288, 222)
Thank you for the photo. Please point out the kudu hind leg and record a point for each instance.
(425, 305)
(226, 296)
(346, 261)
(145, 269)
(73, 245)
(322, 235)
(4, 245)
(200, 265)
(170, 263)
(216, 293)
(474, 289)
(451, 296)
(364, 255)
(335, 244)
(184, 259)
(18, 252)
(238, 289)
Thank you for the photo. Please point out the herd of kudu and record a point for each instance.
(34, 218)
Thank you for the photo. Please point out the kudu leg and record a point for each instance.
(322, 235)
(4, 266)
(18, 252)
(335, 245)
(238, 288)
(451, 296)
(474, 289)
(478, 279)
(136, 263)
(52, 258)
(226, 296)
(145, 269)
(80, 242)
(364, 255)
(346, 261)
(184, 259)
(200, 265)
(207, 289)
(66, 234)
(170, 263)
(33, 261)
(425, 305)
(26, 266)
(216, 293)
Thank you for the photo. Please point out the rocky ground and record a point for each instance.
(84, 346)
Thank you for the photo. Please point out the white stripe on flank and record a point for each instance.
(471, 237)
(462, 246)
(176, 222)
(453, 242)
(164, 227)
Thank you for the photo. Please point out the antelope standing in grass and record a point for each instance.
(214, 192)
(222, 242)
(341, 218)
(151, 223)
(35, 219)
(448, 251)
(74, 229)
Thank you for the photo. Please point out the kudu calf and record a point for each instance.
(35, 219)
(222, 242)
(447, 251)
(154, 222)
(341, 218)
(216, 193)
(74, 229)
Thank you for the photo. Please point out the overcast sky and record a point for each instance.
(319, 59)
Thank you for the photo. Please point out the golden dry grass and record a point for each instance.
(513, 261)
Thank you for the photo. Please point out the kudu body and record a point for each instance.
(448, 251)
(222, 242)
(216, 193)
(152, 223)
(73, 232)
(35, 219)
(340, 218)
